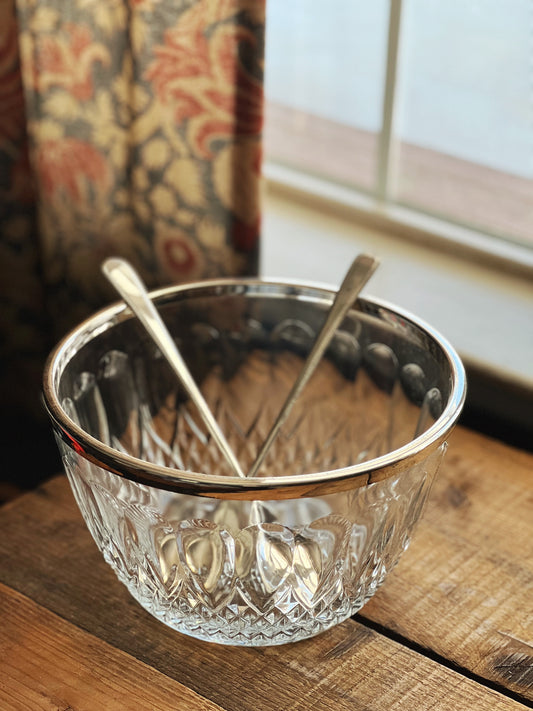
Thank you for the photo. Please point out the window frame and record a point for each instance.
(379, 205)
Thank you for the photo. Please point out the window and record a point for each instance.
(421, 104)
(324, 79)
(389, 118)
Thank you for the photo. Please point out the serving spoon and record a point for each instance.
(356, 277)
(132, 289)
(130, 286)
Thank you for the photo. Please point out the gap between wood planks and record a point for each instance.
(443, 661)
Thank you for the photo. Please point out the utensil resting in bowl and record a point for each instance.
(340, 489)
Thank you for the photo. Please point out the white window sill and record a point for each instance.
(487, 314)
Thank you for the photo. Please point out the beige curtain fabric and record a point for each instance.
(128, 127)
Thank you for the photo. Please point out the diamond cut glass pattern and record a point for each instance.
(229, 568)
(262, 583)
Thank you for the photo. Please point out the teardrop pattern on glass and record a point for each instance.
(293, 334)
(264, 555)
(215, 569)
(135, 405)
(207, 553)
(382, 365)
(260, 583)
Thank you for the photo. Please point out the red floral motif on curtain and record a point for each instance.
(143, 131)
(71, 166)
(203, 81)
(67, 60)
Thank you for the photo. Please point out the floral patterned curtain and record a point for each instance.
(128, 127)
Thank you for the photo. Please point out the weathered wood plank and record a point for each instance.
(47, 553)
(48, 663)
(465, 587)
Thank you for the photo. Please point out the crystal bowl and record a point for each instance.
(302, 546)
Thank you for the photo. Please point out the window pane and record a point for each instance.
(465, 112)
(324, 85)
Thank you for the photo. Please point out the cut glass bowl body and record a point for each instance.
(299, 548)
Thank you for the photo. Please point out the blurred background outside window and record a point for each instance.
(421, 103)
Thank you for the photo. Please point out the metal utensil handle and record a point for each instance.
(357, 276)
(130, 286)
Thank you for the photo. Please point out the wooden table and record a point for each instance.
(452, 628)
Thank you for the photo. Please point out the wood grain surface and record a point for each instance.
(351, 667)
(465, 587)
(48, 663)
(450, 629)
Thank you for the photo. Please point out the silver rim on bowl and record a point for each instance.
(259, 488)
